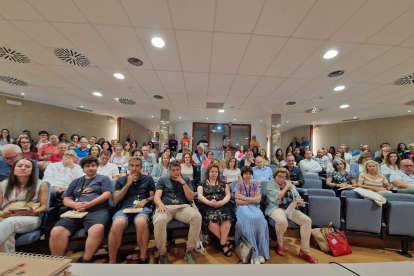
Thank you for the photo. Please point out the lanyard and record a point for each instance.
(175, 187)
(408, 174)
(139, 187)
(245, 188)
(84, 187)
(211, 188)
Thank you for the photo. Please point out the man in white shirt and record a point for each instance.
(61, 174)
(106, 168)
(308, 165)
(347, 155)
(403, 180)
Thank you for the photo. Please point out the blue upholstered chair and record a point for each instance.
(312, 184)
(310, 176)
(324, 207)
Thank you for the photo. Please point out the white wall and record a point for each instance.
(261, 133)
(180, 128)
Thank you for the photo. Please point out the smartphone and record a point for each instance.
(20, 209)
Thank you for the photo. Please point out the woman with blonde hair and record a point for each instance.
(372, 179)
(232, 172)
(161, 169)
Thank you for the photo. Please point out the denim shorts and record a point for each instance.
(130, 218)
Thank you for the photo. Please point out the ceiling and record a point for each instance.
(251, 55)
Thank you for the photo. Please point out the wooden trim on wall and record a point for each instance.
(118, 125)
(311, 136)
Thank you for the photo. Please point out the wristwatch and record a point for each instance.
(245, 199)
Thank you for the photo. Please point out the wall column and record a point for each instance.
(164, 127)
(276, 137)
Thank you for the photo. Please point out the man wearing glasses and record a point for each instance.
(403, 180)
(58, 157)
(11, 153)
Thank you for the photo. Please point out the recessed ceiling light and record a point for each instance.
(355, 117)
(119, 76)
(152, 116)
(207, 118)
(330, 54)
(287, 121)
(97, 94)
(179, 117)
(81, 106)
(339, 88)
(344, 106)
(409, 110)
(23, 94)
(221, 110)
(261, 120)
(234, 119)
(158, 126)
(313, 122)
(157, 42)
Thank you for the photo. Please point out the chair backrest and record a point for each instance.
(203, 172)
(310, 176)
(312, 183)
(387, 176)
(356, 176)
(49, 191)
(273, 167)
(351, 194)
(263, 186)
(150, 170)
(399, 197)
(320, 192)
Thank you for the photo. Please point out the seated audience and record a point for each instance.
(384, 152)
(338, 155)
(251, 223)
(183, 140)
(248, 161)
(379, 153)
(145, 167)
(403, 180)
(127, 150)
(132, 191)
(260, 172)
(83, 150)
(151, 147)
(222, 163)
(296, 175)
(322, 159)
(410, 153)
(358, 151)
(63, 138)
(215, 208)
(117, 158)
(149, 159)
(92, 142)
(94, 151)
(298, 157)
(231, 172)
(61, 174)
(255, 152)
(402, 149)
(280, 195)
(240, 153)
(168, 153)
(5, 136)
(358, 167)
(347, 155)
(156, 141)
(332, 151)
(28, 149)
(263, 154)
(279, 159)
(173, 145)
(74, 141)
(55, 158)
(340, 179)
(356, 157)
(161, 169)
(171, 191)
(254, 143)
(372, 179)
(17, 141)
(106, 145)
(89, 193)
(207, 162)
(134, 145)
(114, 142)
(308, 165)
(304, 143)
(183, 150)
(203, 142)
(11, 153)
(48, 149)
(21, 186)
(199, 156)
(294, 143)
(289, 149)
(43, 135)
(326, 153)
(391, 163)
(105, 167)
(190, 170)
(164, 148)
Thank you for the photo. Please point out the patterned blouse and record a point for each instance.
(272, 193)
(339, 178)
(246, 191)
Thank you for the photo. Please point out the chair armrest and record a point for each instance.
(47, 222)
(49, 210)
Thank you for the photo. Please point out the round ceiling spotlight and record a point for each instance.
(344, 106)
(97, 94)
(158, 42)
(339, 88)
(13, 81)
(314, 110)
(158, 97)
(135, 61)
(335, 74)
(290, 103)
(221, 110)
(330, 54)
(119, 76)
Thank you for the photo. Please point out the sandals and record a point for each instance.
(308, 257)
(226, 253)
(280, 251)
(229, 245)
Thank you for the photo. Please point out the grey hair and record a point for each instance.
(185, 143)
(386, 148)
(83, 139)
(134, 159)
(15, 148)
(200, 147)
(342, 145)
(412, 144)
(76, 156)
(336, 161)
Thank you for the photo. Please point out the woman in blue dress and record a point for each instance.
(251, 223)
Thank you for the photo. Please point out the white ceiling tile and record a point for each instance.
(269, 104)
(71, 75)
(46, 74)
(397, 72)
(128, 84)
(179, 100)
(382, 90)
(311, 89)
(408, 43)
(216, 99)
(82, 95)
(266, 86)
(90, 43)
(160, 102)
(294, 53)
(173, 82)
(371, 18)
(379, 107)
(116, 94)
(99, 78)
(281, 17)
(316, 64)
(395, 97)
(148, 13)
(228, 50)
(193, 15)
(19, 73)
(44, 34)
(357, 58)
(220, 84)
(251, 103)
(148, 80)
(329, 92)
(109, 99)
(243, 85)
(197, 101)
(196, 83)
(55, 91)
(234, 101)
(165, 58)
(19, 10)
(141, 98)
(58, 10)
(336, 12)
(384, 62)
(195, 50)
(301, 107)
(260, 53)
(401, 100)
(124, 43)
(237, 16)
(288, 88)
(282, 107)
(103, 12)
(353, 92)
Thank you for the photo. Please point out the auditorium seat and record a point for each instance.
(273, 167)
(312, 184)
(203, 173)
(324, 207)
(310, 176)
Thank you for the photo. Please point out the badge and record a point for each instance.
(136, 202)
(174, 201)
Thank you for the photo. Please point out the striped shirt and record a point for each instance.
(374, 181)
(324, 160)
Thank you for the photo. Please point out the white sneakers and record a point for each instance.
(261, 259)
(258, 260)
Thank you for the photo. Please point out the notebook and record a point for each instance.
(133, 210)
(73, 214)
(12, 264)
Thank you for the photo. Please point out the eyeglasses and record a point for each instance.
(281, 177)
(69, 155)
(10, 158)
(24, 142)
(409, 166)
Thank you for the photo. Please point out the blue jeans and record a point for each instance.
(130, 218)
(54, 196)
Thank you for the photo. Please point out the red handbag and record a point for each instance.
(338, 243)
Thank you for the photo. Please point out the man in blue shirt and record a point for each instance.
(305, 143)
(11, 153)
(83, 150)
(260, 172)
(134, 190)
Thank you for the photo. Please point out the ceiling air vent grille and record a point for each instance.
(84, 109)
(13, 55)
(409, 103)
(290, 103)
(407, 80)
(13, 81)
(135, 61)
(11, 95)
(126, 101)
(314, 110)
(214, 105)
(335, 74)
(72, 57)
